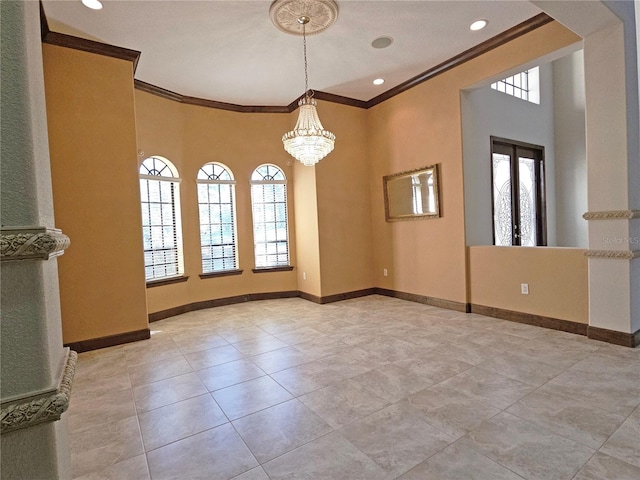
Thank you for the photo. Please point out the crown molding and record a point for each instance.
(201, 102)
(155, 90)
(330, 97)
(91, 46)
(494, 42)
(99, 48)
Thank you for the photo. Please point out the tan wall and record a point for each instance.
(306, 218)
(422, 126)
(190, 136)
(329, 208)
(344, 203)
(557, 279)
(92, 139)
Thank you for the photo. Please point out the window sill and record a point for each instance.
(223, 273)
(287, 268)
(166, 281)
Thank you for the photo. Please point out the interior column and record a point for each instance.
(613, 165)
(36, 370)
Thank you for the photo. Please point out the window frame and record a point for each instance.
(234, 221)
(537, 153)
(255, 182)
(169, 174)
(531, 93)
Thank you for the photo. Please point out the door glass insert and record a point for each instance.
(527, 223)
(502, 221)
(517, 171)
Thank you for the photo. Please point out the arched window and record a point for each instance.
(161, 227)
(270, 231)
(216, 204)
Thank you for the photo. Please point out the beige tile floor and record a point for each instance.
(370, 388)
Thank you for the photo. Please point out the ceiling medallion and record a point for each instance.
(285, 15)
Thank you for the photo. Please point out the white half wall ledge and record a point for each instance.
(31, 243)
(36, 409)
(612, 215)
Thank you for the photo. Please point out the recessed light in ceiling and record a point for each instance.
(378, 81)
(92, 4)
(478, 25)
(382, 42)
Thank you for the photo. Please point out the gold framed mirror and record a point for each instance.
(412, 195)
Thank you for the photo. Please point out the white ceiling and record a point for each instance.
(229, 51)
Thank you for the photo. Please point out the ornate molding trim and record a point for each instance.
(39, 243)
(612, 215)
(34, 410)
(613, 254)
(286, 15)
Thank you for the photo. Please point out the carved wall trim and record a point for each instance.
(38, 243)
(613, 254)
(612, 215)
(37, 409)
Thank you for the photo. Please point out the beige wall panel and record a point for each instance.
(306, 218)
(556, 277)
(92, 137)
(344, 203)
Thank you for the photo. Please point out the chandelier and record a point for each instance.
(308, 142)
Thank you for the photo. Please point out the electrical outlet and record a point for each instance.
(304, 275)
(524, 288)
(384, 272)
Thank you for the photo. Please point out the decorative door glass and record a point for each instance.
(517, 174)
(502, 222)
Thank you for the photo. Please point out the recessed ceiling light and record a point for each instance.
(382, 42)
(478, 25)
(92, 4)
(378, 81)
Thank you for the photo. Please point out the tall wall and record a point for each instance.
(570, 150)
(190, 136)
(422, 126)
(306, 217)
(344, 204)
(329, 219)
(558, 124)
(485, 113)
(612, 142)
(92, 137)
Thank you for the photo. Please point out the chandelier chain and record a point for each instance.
(306, 74)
